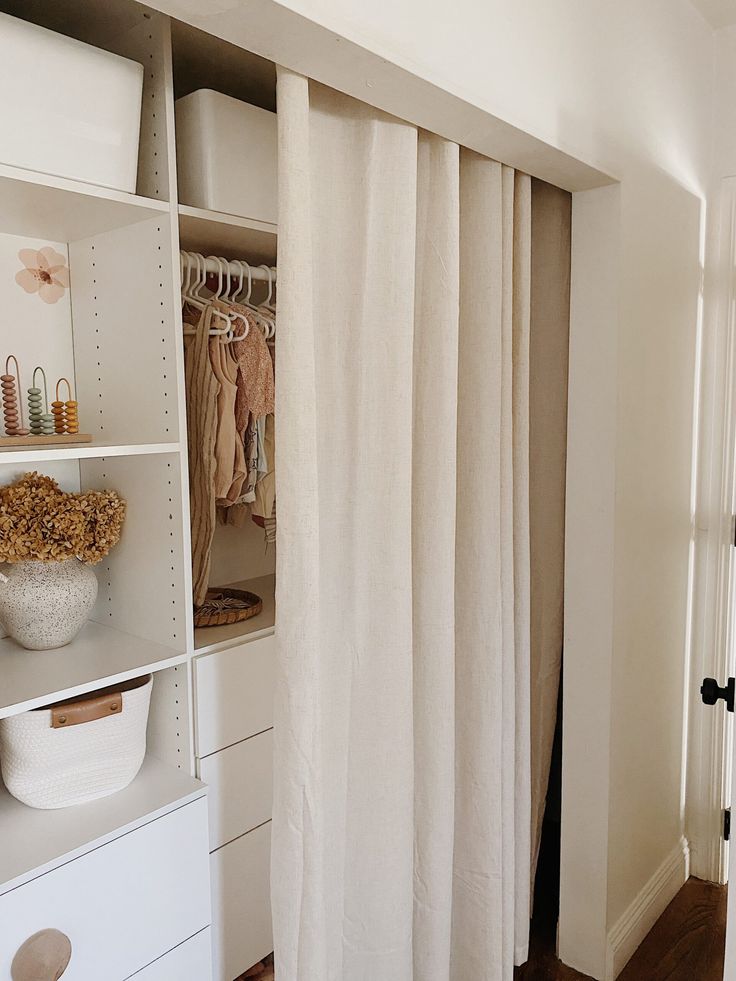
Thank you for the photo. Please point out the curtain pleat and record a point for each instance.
(433, 539)
(521, 314)
(401, 830)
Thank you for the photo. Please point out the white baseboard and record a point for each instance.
(646, 909)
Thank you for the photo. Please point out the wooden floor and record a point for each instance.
(686, 944)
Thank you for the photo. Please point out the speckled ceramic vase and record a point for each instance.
(45, 604)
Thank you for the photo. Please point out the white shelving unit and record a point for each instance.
(89, 451)
(125, 348)
(215, 233)
(208, 639)
(35, 841)
(100, 656)
(44, 206)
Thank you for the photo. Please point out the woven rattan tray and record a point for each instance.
(225, 606)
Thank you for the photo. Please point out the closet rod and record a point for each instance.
(235, 268)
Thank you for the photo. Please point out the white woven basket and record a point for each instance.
(77, 751)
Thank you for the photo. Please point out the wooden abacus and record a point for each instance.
(40, 421)
(66, 419)
(61, 425)
(12, 407)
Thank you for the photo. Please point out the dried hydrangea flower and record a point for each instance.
(39, 521)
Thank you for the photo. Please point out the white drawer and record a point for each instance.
(235, 690)
(121, 905)
(241, 903)
(190, 961)
(240, 779)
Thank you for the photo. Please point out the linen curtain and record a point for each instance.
(402, 812)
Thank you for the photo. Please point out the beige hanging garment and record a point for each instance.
(202, 392)
(230, 471)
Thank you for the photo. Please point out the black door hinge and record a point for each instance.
(727, 824)
(711, 692)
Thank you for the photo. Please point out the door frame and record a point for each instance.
(714, 580)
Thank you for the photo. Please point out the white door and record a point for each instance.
(729, 970)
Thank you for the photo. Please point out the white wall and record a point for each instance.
(627, 87)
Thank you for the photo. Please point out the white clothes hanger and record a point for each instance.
(192, 295)
(223, 289)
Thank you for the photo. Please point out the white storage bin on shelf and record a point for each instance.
(75, 110)
(218, 140)
(76, 751)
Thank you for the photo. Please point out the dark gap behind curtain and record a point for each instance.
(548, 379)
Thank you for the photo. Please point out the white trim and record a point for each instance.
(646, 909)
(589, 587)
(708, 788)
(271, 29)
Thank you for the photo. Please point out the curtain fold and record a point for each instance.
(402, 814)
(434, 462)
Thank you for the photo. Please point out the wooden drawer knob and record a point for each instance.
(43, 957)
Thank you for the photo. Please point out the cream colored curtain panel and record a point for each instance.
(402, 815)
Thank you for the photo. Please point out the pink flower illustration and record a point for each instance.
(45, 273)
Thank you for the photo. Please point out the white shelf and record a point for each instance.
(34, 841)
(83, 451)
(97, 657)
(61, 210)
(208, 639)
(229, 236)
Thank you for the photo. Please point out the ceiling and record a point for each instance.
(719, 13)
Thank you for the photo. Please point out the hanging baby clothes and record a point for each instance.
(255, 399)
(263, 508)
(256, 386)
(229, 452)
(202, 391)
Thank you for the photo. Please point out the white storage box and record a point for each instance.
(227, 155)
(70, 109)
(79, 750)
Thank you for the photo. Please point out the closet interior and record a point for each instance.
(188, 841)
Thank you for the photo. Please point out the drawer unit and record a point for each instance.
(240, 782)
(234, 691)
(121, 905)
(241, 903)
(190, 961)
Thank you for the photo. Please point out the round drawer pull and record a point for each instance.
(43, 957)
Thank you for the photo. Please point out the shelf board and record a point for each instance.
(207, 639)
(229, 236)
(62, 210)
(87, 451)
(35, 841)
(97, 657)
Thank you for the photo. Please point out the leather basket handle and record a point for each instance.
(77, 713)
(43, 957)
